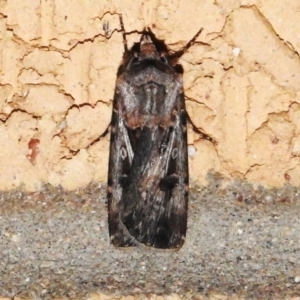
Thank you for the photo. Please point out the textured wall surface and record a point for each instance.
(58, 64)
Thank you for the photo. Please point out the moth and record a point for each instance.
(148, 162)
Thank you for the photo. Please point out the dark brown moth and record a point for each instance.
(148, 164)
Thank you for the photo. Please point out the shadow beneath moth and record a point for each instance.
(148, 163)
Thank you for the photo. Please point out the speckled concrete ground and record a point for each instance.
(241, 241)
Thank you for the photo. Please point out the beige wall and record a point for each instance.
(58, 72)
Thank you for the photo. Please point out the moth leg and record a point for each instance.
(203, 135)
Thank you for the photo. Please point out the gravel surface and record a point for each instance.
(241, 240)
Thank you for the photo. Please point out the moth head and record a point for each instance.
(150, 48)
(147, 47)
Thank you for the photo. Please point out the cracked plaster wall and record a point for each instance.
(58, 64)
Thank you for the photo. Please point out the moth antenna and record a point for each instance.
(123, 34)
(191, 42)
(179, 53)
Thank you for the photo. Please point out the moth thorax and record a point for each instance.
(151, 91)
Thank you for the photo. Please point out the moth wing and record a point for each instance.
(155, 206)
(120, 159)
